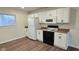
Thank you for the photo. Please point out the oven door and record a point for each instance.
(48, 37)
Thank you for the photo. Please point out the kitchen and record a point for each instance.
(49, 26)
(39, 29)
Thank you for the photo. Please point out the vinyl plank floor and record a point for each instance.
(26, 44)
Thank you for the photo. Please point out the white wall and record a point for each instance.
(75, 32)
(12, 32)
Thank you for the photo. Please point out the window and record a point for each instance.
(7, 20)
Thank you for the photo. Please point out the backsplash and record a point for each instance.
(63, 26)
(43, 25)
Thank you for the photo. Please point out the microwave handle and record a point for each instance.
(56, 18)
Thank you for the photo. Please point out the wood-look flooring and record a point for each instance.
(26, 44)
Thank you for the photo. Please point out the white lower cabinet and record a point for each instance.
(60, 40)
(40, 35)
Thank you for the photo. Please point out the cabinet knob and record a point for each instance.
(59, 34)
(59, 37)
(50, 14)
(62, 21)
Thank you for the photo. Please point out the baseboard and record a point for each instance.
(60, 48)
(12, 39)
(74, 46)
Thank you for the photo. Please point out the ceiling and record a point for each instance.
(27, 9)
(30, 9)
(33, 9)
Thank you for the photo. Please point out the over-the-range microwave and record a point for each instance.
(51, 20)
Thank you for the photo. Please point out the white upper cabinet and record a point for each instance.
(36, 15)
(48, 15)
(63, 15)
(42, 16)
(66, 16)
(51, 15)
(39, 14)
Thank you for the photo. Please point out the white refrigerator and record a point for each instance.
(33, 25)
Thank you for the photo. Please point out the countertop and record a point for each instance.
(59, 30)
(63, 30)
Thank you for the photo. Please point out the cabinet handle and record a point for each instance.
(38, 33)
(59, 37)
(59, 34)
(62, 21)
(50, 14)
(56, 18)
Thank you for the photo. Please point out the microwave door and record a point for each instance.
(49, 20)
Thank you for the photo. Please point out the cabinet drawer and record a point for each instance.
(40, 35)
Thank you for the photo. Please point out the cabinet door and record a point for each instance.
(40, 35)
(54, 16)
(36, 15)
(60, 40)
(60, 13)
(48, 37)
(31, 21)
(66, 15)
(42, 17)
(63, 15)
(51, 15)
